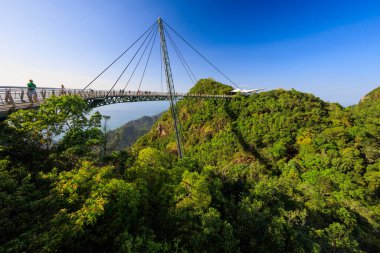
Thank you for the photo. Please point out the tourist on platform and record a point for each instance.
(32, 93)
(63, 90)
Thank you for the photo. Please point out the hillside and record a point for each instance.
(277, 171)
(299, 156)
(373, 95)
(127, 134)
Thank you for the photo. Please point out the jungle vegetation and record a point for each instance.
(277, 171)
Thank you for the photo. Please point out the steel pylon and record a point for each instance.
(170, 85)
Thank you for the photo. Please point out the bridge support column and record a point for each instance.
(170, 84)
(43, 94)
(8, 98)
(22, 96)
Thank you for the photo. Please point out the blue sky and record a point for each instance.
(328, 48)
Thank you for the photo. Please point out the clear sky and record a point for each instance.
(328, 47)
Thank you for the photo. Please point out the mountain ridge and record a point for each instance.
(124, 136)
(277, 171)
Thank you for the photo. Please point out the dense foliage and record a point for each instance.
(278, 171)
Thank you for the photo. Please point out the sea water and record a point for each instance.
(124, 112)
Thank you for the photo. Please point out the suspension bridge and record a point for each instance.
(14, 98)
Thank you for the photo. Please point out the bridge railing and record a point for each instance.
(14, 96)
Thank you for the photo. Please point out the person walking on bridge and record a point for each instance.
(32, 94)
(63, 90)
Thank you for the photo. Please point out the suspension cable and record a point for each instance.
(122, 73)
(133, 72)
(202, 56)
(180, 56)
(147, 61)
(162, 89)
(151, 27)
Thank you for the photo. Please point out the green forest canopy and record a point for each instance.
(277, 171)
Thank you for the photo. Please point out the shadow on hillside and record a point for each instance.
(248, 148)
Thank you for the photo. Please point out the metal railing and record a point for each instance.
(14, 97)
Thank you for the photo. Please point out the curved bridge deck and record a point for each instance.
(17, 98)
